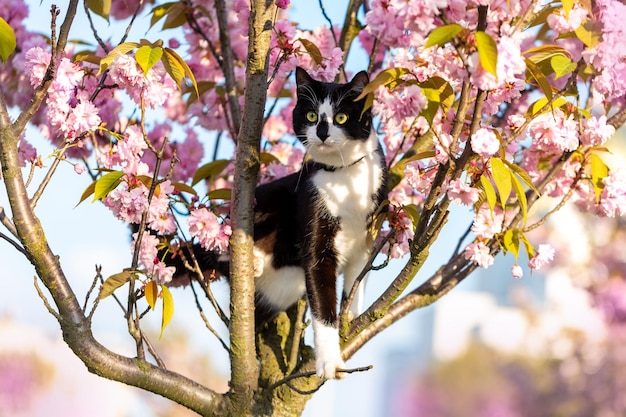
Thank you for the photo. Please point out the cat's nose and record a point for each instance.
(322, 130)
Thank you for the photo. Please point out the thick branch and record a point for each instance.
(244, 367)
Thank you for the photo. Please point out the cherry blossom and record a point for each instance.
(485, 142)
(461, 193)
(544, 255)
(479, 254)
(211, 234)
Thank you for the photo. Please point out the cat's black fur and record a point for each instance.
(312, 225)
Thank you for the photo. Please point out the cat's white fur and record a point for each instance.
(347, 193)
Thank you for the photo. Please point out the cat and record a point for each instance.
(313, 225)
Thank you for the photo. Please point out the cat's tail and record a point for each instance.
(187, 259)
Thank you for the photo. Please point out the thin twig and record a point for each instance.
(97, 278)
(102, 44)
(45, 301)
(204, 319)
(313, 373)
(44, 183)
(6, 222)
(15, 244)
(153, 351)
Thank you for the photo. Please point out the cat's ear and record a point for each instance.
(302, 77)
(359, 81)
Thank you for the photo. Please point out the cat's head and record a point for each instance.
(332, 126)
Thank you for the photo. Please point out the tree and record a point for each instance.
(491, 107)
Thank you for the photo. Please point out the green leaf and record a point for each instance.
(599, 171)
(312, 50)
(561, 65)
(107, 183)
(100, 7)
(383, 78)
(88, 191)
(267, 158)
(529, 248)
(438, 90)
(502, 178)
(158, 12)
(523, 175)
(537, 106)
(588, 34)
(413, 212)
(490, 192)
(114, 282)
(176, 16)
(7, 40)
(147, 56)
(538, 76)
(511, 241)
(120, 49)
(210, 171)
(487, 52)
(220, 194)
(168, 308)
(546, 51)
(521, 197)
(184, 188)
(177, 68)
(442, 34)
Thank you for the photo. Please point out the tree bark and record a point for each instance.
(244, 367)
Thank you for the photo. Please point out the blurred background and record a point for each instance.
(544, 345)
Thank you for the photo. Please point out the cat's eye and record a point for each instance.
(311, 116)
(341, 118)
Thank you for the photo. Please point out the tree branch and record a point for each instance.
(244, 367)
(227, 61)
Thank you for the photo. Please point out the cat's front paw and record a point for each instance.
(326, 367)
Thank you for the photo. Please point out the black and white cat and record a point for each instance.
(313, 225)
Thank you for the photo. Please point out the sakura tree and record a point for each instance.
(496, 107)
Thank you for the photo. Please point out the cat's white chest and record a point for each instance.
(349, 193)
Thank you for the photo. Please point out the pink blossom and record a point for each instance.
(205, 225)
(560, 24)
(148, 251)
(399, 246)
(596, 131)
(274, 128)
(442, 147)
(461, 193)
(82, 118)
(552, 132)
(149, 262)
(68, 75)
(127, 204)
(79, 168)
(544, 255)
(485, 142)
(36, 64)
(26, 152)
(487, 223)
(154, 87)
(613, 196)
(479, 254)
(517, 271)
(282, 4)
